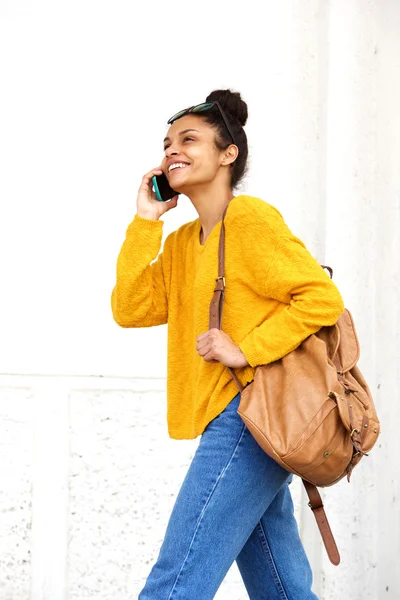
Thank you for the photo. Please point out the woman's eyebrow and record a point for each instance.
(182, 133)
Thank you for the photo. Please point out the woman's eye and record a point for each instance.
(184, 139)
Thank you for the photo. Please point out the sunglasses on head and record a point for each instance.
(198, 108)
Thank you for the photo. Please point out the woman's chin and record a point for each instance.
(179, 186)
(176, 181)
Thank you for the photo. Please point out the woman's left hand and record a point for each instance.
(216, 346)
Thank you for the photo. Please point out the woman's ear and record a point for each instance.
(230, 155)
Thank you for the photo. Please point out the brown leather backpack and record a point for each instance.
(312, 410)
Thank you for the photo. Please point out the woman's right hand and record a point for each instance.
(147, 204)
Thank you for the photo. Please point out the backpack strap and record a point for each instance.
(328, 269)
(215, 321)
(217, 302)
(317, 507)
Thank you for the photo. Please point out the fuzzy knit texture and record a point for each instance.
(276, 295)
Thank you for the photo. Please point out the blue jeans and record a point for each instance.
(234, 504)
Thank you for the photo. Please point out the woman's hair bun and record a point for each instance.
(231, 103)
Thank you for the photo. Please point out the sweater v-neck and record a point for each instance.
(201, 246)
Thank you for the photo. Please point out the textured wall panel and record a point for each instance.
(125, 468)
(16, 445)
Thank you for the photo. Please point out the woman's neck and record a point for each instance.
(210, 207)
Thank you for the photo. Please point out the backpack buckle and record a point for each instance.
(316, 507)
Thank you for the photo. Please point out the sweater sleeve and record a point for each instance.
(139, 297)
(308, 301)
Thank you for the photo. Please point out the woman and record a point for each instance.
(234, 503)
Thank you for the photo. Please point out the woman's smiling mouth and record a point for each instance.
(176, 165)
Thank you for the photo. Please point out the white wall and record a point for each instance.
(86, 90)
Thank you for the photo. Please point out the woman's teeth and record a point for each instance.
(177, 166)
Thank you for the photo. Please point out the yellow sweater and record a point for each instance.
(276, 295)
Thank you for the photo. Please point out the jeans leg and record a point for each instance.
(273, 563)
(228, 487)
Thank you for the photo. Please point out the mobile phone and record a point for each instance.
(162, 188)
